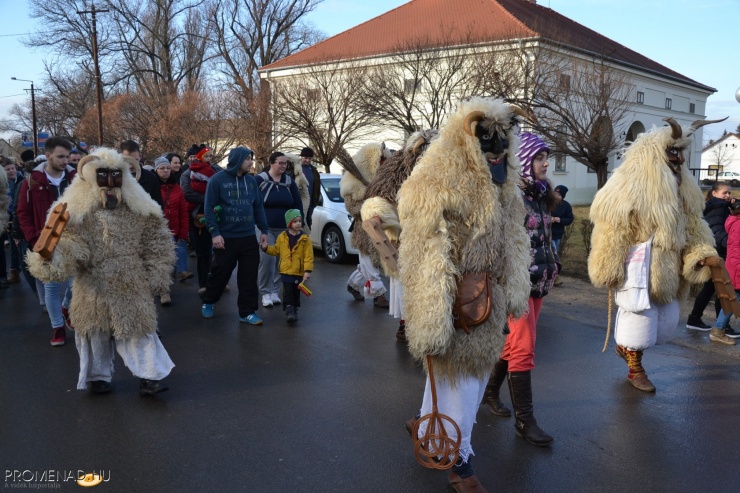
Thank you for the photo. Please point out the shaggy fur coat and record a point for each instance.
(367, 160)
(4, 200)
(119, 258)
(381, 195)
(455, 220)
(643, 198)
(301, 182)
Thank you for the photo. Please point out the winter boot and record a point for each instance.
(520, 388)
(13, 276)
(290, 314)
(491, 395)
(718, 335)
(151, 387)
(637, 376)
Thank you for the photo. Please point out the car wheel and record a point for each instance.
(332, 242)
(734, 183)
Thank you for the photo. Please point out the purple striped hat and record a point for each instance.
(530, 146)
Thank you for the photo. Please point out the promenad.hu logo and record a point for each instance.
(52, 478)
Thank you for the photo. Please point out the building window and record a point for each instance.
(559, 163)
(411, 85)
(640, 97)
(668, 103)
(565, 81)
(692, 108)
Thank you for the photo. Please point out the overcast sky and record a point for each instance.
(695, 38)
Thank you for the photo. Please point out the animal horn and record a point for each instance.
(524, 114)
(82, 164)
(135, 163)
(700, 123)
(676, 130)
(473, 117)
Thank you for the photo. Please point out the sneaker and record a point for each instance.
(58, 338)
(184, 276)
(730, 332)
(207, 310)
(717, 335)
(290, 314)
(165, 299)
(275, 299)
(67, 321)
(252, 319)
(357, 295)
(697, 324)
(266, 300)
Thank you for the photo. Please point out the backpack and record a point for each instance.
(269, 182)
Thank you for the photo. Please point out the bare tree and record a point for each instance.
(323, 108)
(718, 157)
(249, 34)
(419, 86)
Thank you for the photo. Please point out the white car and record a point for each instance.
(330, 222)
(732, 176)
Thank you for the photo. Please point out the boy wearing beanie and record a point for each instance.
(295, 251)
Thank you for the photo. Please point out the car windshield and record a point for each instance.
(331, 186)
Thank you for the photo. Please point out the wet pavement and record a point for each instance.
(320, 406)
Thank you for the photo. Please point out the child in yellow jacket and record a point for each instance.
(295, 251)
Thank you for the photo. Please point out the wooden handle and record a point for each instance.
(382, 244)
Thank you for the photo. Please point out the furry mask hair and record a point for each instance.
(85, 195)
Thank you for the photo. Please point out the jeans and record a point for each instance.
(57, 295)
(723, 319)
(181, 248)
(556, 245)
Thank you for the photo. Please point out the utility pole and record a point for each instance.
(33, 117)
(98, 84)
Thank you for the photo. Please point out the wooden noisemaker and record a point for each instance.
(381, 242)
(52, 231)
(723, 285)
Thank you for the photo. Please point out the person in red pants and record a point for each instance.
(517, 357)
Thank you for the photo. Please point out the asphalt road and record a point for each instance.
(320, 406)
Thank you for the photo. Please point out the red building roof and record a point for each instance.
(460, 22)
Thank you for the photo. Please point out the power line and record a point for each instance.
(10, 35)
(13, 95)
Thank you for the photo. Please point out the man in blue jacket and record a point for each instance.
(233, 205)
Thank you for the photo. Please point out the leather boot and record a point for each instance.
(401, 332)
(491, 395)
(151, 387)
(520, 387)
(290, 314)
(636, 376)
(467, 485)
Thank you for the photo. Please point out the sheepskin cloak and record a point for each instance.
(643, 198)
(367, 161)
(455, 220)
(119, 258)
(382, 193)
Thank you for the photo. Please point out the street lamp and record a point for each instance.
(33, 116)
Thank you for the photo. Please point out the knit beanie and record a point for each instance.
(27, 155)
(160, 161)
(192, 151)
(562, 190)
(291, 215)
(306, 152)
(202, 152)
(530, 145)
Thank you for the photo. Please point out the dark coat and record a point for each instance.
(565, 212)
(149, 181)
(716, 212)
(34, 201)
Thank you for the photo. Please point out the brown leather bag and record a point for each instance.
(473, 301)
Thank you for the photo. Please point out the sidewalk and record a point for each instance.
(579, 300)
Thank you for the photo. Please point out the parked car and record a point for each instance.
(731, 176)
(330, 229)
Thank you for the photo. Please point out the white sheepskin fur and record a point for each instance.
(119, 258)
(642, 199)
(455, 220)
